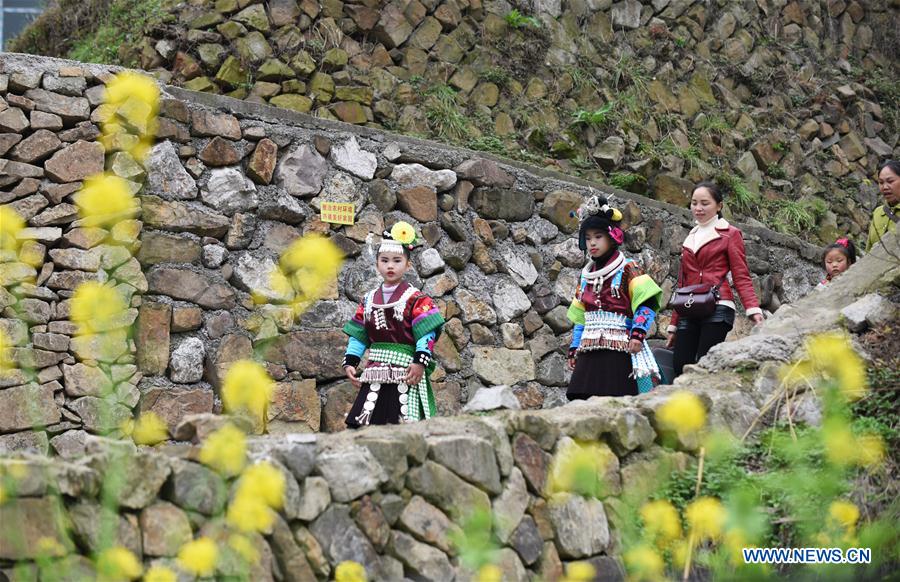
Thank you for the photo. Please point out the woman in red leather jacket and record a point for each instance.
(711, 251)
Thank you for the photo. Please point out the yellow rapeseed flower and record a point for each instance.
(225, 450)
(735, 541)
(104, 200)
(311, 264)
(249, 514)
(96, 308)
(870, 450)
(661, 521)
(6, 362)
(489, 573)
(160, 574)
(830, 356)
(248, 388)
(350, 571)
(843, 448)
(244, 548)
(130, 85)
(118, 563)
(149, 429)
(706, 517)
(580, 572)
(199, 557)
(840, 444)
(579, 468)
(265, 482)
(10, 225)
(844, 514)
(644, 563)
(3, 496)
(47, 546)
(683, 412)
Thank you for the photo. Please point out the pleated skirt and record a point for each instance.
(602, 373)
(385, 411)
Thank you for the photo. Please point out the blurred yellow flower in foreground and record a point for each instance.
(706, 517)
(225, 450)
(580, 572)
(199, 557)
(260, 489)
(149, 429)
(96, 307)
(644, 563)
(830, 356)
(244, 548)
(870, 450)
(844, 448)
(248, 514)
(248, 388)
(118, 563)
(579, 468)
(10, 225)
(265, 482)
(160, 574)
(683, 412)
(661, 521)
(6, 362)
(130, 85)
(307, 269)
(489, 573)
(350, 571)
(47, 546)
(735, 542)
(844, 514)
(104, 200)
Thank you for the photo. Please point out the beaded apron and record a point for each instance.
(605, 330)
(388, 364)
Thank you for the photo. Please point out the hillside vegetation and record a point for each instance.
(791, 104)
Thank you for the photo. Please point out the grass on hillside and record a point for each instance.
(94, 31)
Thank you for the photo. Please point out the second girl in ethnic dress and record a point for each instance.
(613, 309)
(398, 324)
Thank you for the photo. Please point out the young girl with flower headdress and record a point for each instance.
(613, 309)
(398, 324)
(837, 258)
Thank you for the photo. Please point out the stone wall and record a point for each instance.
(229, 185)
(390, 497)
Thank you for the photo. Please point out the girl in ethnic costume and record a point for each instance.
(398, 324)
(614, 307)
(837, 258)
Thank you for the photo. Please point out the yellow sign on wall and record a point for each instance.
(337, 212)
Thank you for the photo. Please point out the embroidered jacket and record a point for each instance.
(617, 294)
(408, 317)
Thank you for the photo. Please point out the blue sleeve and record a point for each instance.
(642, 322)
(356, 347)
(422, 342)
(576, 335)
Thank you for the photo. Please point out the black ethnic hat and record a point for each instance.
(596, 213)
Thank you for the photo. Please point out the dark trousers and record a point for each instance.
(695, 338)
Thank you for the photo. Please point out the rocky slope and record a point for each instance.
(790, 103)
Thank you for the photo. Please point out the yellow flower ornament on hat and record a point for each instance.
(403, 233)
